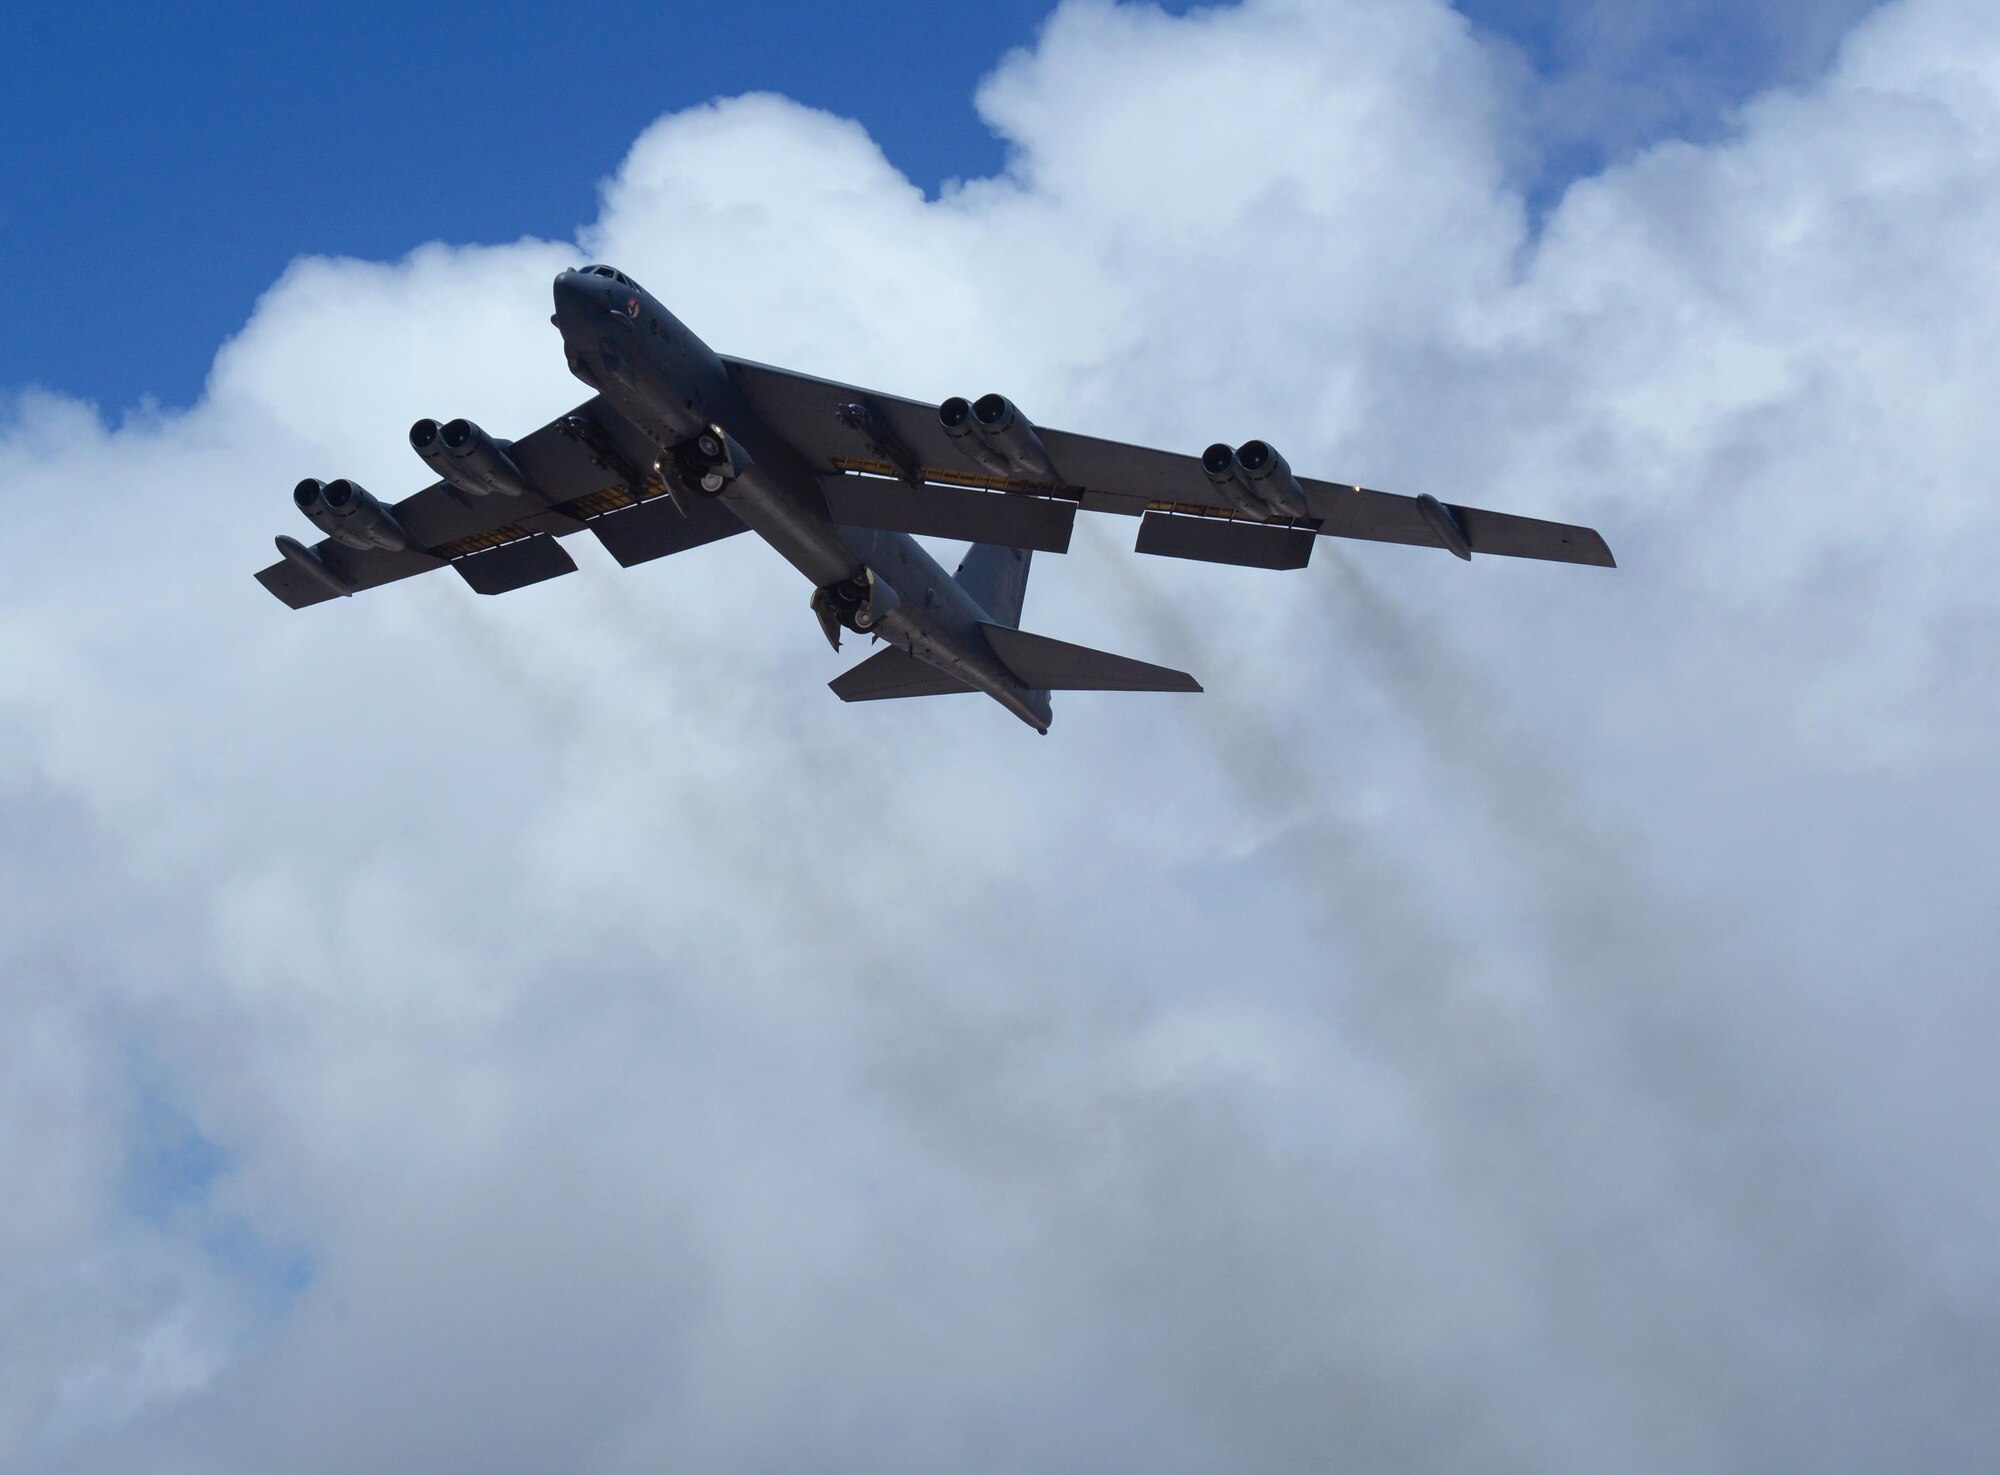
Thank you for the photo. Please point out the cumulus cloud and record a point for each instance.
(1519, 1019)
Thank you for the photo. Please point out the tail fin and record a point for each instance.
(998, 579)
(1055, 665)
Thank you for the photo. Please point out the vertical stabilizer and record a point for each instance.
(998, 579)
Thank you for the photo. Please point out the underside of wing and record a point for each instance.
(589, 470)
(850, 434)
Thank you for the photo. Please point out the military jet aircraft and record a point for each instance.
(679, 447)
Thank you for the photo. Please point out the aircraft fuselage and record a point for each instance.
(662, 378)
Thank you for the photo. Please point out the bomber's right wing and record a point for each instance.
(590, 470)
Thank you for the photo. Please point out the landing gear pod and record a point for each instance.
(712, 460)
(350, 515)
(859, 603)
(468, 458)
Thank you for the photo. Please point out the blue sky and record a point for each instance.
(163, 165)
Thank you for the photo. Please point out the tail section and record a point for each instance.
(1054, 665)
(997, 578)
(893, 674)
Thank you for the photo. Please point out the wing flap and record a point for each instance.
(1056, 665)
(1211, 540)
(516, 565)
(655, 529)
(1002, 519)
(894, 674)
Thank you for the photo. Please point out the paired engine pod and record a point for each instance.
(999, 437)
(1256, 480)
(468, 458)
(350, 515)
(955, 415)
(1219, 461)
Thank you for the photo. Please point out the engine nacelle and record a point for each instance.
(1009, 432)
(349, 515)
(955, 415)
(468, 458)
(860, 604)
(1270, 477)
(1219, 461)
(1256, 480)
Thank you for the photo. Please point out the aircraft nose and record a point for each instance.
(576, 295)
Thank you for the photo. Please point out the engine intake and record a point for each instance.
(350, 515)
(1256, 480)
(468, 458)
(999, 437)
(1009, 432)
(955, 415)
(1270, 477)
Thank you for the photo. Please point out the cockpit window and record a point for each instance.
(605, 271)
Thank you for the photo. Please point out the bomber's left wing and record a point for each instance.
(891, 462)
(589, 470)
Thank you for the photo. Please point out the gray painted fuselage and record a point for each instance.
(657, 374)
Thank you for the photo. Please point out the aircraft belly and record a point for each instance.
(777, 509)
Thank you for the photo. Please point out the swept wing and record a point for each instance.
(1185, 516)
(589, 470)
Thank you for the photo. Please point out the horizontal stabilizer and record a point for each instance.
(1005, 519)
(656, 528)
(516, 565)
(892, 674)
(1211, 540)
(1054, 665)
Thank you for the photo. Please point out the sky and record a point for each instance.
(179, 159)
(1520, 1018)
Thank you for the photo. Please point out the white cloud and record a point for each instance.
(1521, 1018)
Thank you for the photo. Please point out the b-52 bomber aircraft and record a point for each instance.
(679, 447)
